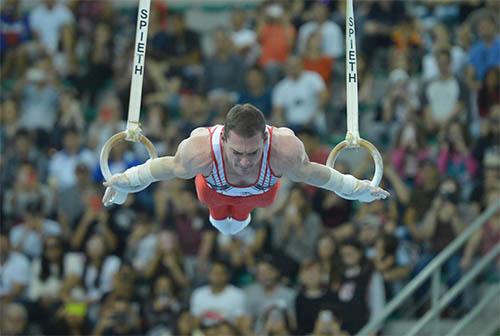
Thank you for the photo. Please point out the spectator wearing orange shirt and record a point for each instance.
(276, 37)
(314, 59)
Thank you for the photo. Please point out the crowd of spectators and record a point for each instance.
(313, 263)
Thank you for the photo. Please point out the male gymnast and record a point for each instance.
(237, 167)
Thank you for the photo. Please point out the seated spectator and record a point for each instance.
(299, 99)
(48, 274)
(484, 53)
(96, 267)
(218, 297)
(46, 20)
(444, 97)
(28, 236)
(327, 256)
(268, 291)
(315, 60)
(224, 69)
(162, 306)
(298, 228)
(14, 320)
(393, 266)
(455, 157)
(276, 37)
(168, 259)
(244, 39)
(361, 289)
(277, 321)
(24, 149)
(488, 94)
(62, 164)
(329, 33)
(256, 91)
(311, 299)
(327, 323)
(410, 150)
(120, 319)
(27, 189)
(14, 272)
(490, 134)
(9, 124)
(183, 51)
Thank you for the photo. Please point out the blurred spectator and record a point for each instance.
(266, 292)
(298, 228)
(455, 157)
(443, 222)
(393, 266)
(183, 50)
(96, 267)
(328, 324)
(489, 93)
(95, 219)
(27, 189)
(23, 150)
(168, 259)
(244, 39)
(14, 34)
(299, 99)
(329, 33)
(327, 257)
(28, 236)
(484, 53)
(120, 319)
(9, 125)
(360, 288)
(14, 320)
(445, 98)
(39, 103)
(490, 134)
(224, 70)
(440, 40)
(276, 37)
(409, 150)
(218, 297)
(277, 322)
(256, 91)
(311, 299)
(63, 163)
(162, 306)
(47, 20)
(14, 272)
(315, 60)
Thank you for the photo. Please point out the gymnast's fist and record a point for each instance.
(365, 192)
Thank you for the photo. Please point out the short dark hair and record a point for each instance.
(245, 120)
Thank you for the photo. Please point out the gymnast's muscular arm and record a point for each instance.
(288, 158)
(193, 157)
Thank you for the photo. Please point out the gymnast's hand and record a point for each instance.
(365, 192)
(116, 188)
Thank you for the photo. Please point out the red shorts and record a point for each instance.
(237, 207)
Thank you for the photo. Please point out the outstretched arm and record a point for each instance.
(296, 165)
(193, 157)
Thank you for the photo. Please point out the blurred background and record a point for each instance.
(313, 264)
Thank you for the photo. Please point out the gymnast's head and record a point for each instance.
(244, 137)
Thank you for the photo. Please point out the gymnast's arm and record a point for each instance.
(294, 163)
(193, 157)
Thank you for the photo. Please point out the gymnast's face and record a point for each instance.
(243, 154)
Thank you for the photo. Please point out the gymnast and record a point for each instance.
(237, 167)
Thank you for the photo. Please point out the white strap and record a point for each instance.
(141, 37)
(352, 135)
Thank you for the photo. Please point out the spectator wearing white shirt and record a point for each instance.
(244, 39)
(14, 272)
(332, 37)
(47, 19)
(298, 99)
(28, 237)
(63, 163)
(445, 97)
(218, 297)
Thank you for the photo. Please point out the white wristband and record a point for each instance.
(140, 175)
(344, 184)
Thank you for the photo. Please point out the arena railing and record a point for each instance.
(433, 271)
